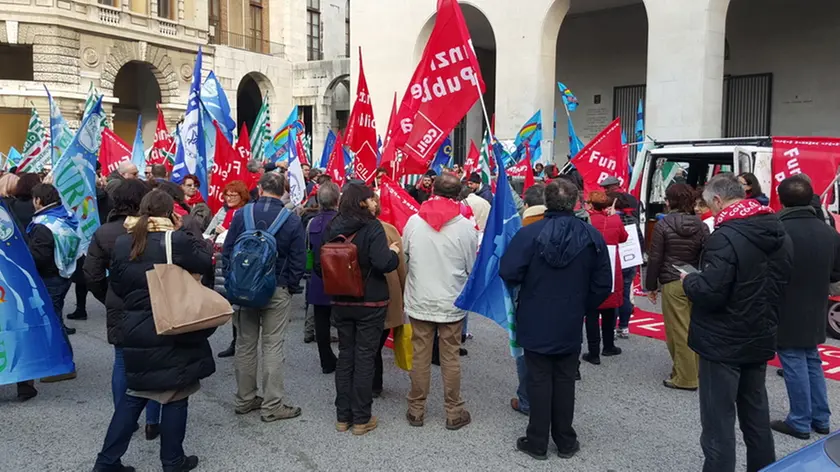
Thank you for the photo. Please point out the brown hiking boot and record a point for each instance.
(285, 412)
(254, 404)
(341, 426)
(416, 421)
(458, 423)
(59, 378)
(362, 429)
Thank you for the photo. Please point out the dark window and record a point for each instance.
(109, 3)
(165, 9)
(21, 57)
(313, 30)
(214, 14)
(256, 27)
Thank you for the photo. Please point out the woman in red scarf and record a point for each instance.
(198, 208)
(236, 196)
(612, 229)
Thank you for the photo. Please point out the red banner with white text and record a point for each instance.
(360, 136)
(471, 163)
(163, 148)
(603, 157)
(112, 151)
(396, 204)
(816, 157)
(229, 164)
(445, 85)
(335, 166)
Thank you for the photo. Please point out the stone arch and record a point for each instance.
(343, 79)
(478, 12)
(253, 88)
(157, 58)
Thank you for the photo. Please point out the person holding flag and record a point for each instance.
(562, 268)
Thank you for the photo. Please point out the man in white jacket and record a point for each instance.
(441, 247)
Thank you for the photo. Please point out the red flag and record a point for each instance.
(112, 151)
(392, 120)
(445, 85)
(229, 164)
(243, 149)
(397, 205)
(164, 143)
(301, 152)
(472, 160)
(335, 167)
(816, 157)
(360, 135)
(601, 158)
(529, 175)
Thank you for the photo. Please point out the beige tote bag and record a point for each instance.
(180, 303)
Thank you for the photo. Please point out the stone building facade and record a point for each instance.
(139, 53)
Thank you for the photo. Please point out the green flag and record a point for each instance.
(484, 159)
(36, 149)
(261, 132)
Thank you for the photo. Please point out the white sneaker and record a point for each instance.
(623, 333)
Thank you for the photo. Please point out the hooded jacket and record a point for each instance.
(737, 295)
(562, 268)
(375, 258)
(816, 246)
(441, 247)
(677, 239)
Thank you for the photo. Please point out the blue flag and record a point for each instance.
(485, 292)
(329, 144)
(192, 157)
(32, 340)
(60, 134)
(216, 104)
(530, 133)
(569, 99)
(378, 149)
(575, 144)
(138, 154)
(443, 156)
(75, 174)
(13, 157)
(640, 125)
(209, 130)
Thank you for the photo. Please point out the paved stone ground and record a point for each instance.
(625, 419)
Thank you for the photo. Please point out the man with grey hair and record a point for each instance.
(562, 268)
(273, 318)
(736, 297)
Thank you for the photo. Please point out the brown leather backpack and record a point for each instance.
(340, 269)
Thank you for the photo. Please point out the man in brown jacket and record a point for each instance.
(395, 316)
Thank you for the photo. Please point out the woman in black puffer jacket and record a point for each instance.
(166, 369)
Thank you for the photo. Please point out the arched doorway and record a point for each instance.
(249, 98)
(337, 101)
(601, 55)
(484, 43)
(138, 92)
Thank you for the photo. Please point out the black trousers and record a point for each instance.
(359, 332)
(80, 286)
(607, 328)
(323, 313)
(727, 390)
(378, 367)
(551, 393)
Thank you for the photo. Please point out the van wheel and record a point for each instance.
(834, 319)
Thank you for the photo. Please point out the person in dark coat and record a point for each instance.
(328, 199)
(802, 316)
(678, 239)
(163, 368)
(476, 185)
(126, 199)
(736, 299)
(753, 188)
(360, 321)
(563, 269)
(22, 207)
(423, 190)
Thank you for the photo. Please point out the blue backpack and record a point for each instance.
(252, 278)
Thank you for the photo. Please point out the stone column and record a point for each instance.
(685, 68)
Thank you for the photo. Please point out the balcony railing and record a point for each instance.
(123, 18)
(247, 43)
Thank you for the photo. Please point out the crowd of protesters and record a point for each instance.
(738, 284)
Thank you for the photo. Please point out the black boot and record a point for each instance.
(230, 351)
(79, 314)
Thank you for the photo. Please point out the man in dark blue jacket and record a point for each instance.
(563, 269)
(274, 317)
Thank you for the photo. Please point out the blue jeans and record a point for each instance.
(806, 389)
(57, 288)
(119, 385)
(522, 389)
(626, 309)
(173, 428)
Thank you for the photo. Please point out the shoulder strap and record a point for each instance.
(278, 222)
(168, 244)
(248, 216)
